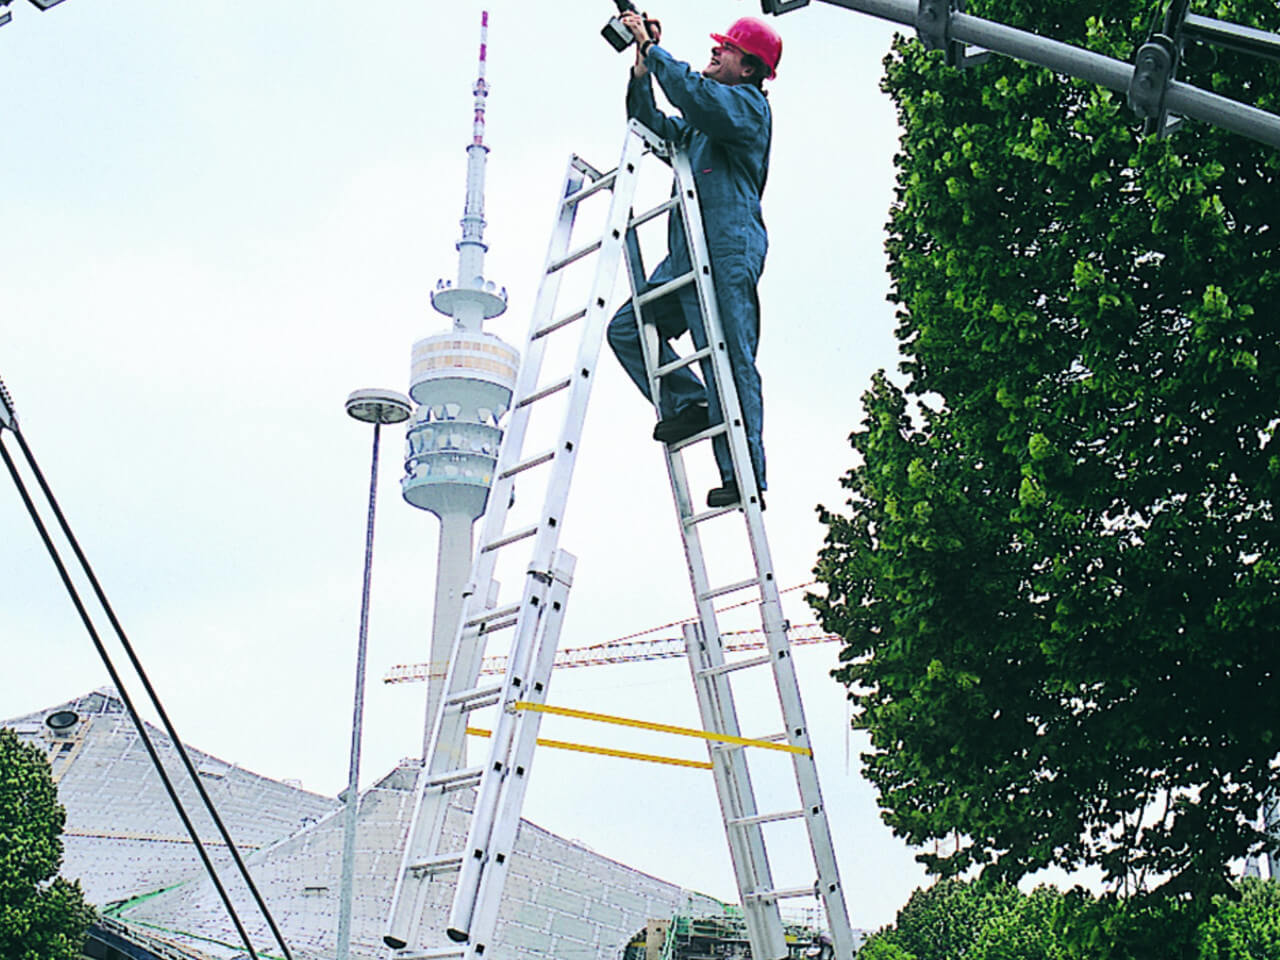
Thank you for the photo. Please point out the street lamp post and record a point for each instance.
(376, 407)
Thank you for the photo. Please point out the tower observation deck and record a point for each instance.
(462, 381)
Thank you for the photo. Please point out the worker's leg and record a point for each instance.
(740, 319)
(719, 445)
(682, 388)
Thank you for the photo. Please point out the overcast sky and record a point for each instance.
(216, 220)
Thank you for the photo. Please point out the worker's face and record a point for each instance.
(726, 65)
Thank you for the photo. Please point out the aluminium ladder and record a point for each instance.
(481, 865)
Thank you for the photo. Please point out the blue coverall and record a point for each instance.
(726, 130)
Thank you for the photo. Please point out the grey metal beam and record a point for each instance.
(1180, 98)
(1232, 36)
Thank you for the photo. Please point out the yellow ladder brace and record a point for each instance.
(606, 751)
(660, 727)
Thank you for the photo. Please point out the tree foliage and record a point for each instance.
(1058, 576)
(1244, 929)
(41, 918)
(963, 920)
(949, 920)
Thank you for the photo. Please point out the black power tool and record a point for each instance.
(619, 36)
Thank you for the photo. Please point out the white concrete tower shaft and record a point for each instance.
(462, 380)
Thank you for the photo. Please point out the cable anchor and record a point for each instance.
(1154, 67)
(8, 417)
(933, 27)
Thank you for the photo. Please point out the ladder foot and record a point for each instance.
(395, 943)
(456, 935)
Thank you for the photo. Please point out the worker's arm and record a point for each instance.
(641, 106)
(736, 113)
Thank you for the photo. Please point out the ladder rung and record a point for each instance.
(669, 287)
(729, 588)
(444, 863)
(575, 256)
(765, 818)
(675, 365)
(454, 779)
(435, 953)
(555, 325)
(603, 183)
(474, 698)
(492, 615)
(786, 894)
(510, 539)
(736, 665)
(710, 514)
(712, 431)
(529, 464)
(545, 392)
(653, 214)
(583, 167)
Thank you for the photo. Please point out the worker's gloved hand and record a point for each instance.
(635, 23)
(644, 29)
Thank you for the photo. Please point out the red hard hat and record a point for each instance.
(756, 38)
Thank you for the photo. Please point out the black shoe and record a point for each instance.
(682, 425)
(727, 495)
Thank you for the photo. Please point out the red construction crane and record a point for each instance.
(625, 650)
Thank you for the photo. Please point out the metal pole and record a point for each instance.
(1271, 827)
(376, 407)
(357, 725)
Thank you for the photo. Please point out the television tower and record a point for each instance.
(462, 382)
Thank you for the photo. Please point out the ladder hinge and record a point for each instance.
(446, 863)
(455, 779)
(474, 698)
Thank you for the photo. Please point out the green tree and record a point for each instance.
(1032, 928)
(1244, 929)
(946, 919)
(40, 919)
(1058, 575)
(963, 920)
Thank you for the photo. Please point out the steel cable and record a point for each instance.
(124, 696)
(146, 682)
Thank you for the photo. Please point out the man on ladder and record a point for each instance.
(726, 129)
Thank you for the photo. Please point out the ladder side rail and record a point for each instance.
(611, 250)
(498, 766)
(830, 890)
(737, 799)
(746, 844)
(700, 256)
(649, 349)
(546, 543)
(512, 447)
(677, 474)
(466, 657)
(729, 767)
(559, 482)
(448, 735)
(482, 916)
